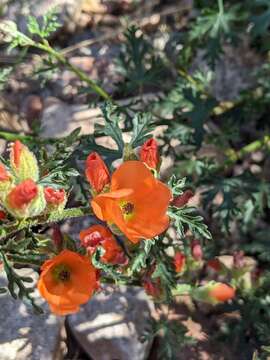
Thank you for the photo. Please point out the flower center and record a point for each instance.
(127, 209)
(61, 272)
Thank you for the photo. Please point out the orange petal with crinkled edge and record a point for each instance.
(131, 175)
(149, 199)
(64, 297)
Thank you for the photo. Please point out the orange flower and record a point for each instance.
(222, 292)
(179, 261)
(22, 194)
(54, 197)
(3, 173)
(66, 282)
(137, 203)
(97, 172)
(149, 153)
(98, 235)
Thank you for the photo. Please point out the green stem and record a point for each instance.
(46, 219)
(81, 74)
(221, 6)
(256, 145)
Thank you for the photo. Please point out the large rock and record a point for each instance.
(24, 335)
(109, 327)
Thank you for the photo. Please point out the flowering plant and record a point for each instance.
(145, 228)
(133, 211)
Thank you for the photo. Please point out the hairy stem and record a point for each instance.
(234, 155)
(53, 217)
(81, 74)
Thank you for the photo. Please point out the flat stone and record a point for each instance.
(24, 335)
(110, 325)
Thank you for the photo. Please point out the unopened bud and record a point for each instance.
(181, 200)
(196, 250)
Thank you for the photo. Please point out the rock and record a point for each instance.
(109, 327)
(84, 63)
(234, 70)
(24, 335)
(32, 108)
(60, 119)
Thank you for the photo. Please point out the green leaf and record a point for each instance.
(48, 26)
(177, 186)
(201, 108)
(4, 76)
(186, 217)
(16, 286)
(33, 25)
(140, 261)
(261, 22)
(109, 270)
(112, 127)
(142, 128)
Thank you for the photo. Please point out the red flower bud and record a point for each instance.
(22, 194)
(196, 250)
(53, 196)
(222, 292)
(3, 173)
(3, 215)
(183, 199)
(149, 153)
(179, 261)
(152, 288)
(97, 172)
(214, 264)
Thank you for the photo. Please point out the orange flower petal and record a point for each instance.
(65, 296)
(146, 202)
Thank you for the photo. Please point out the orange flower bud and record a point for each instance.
(23, 162)
(179, 261)
(181, 200)
(222, 292)
(53, 196)
(4, 176)
(214, 293)
(97, 172)
(149, 153)
(22, 194)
